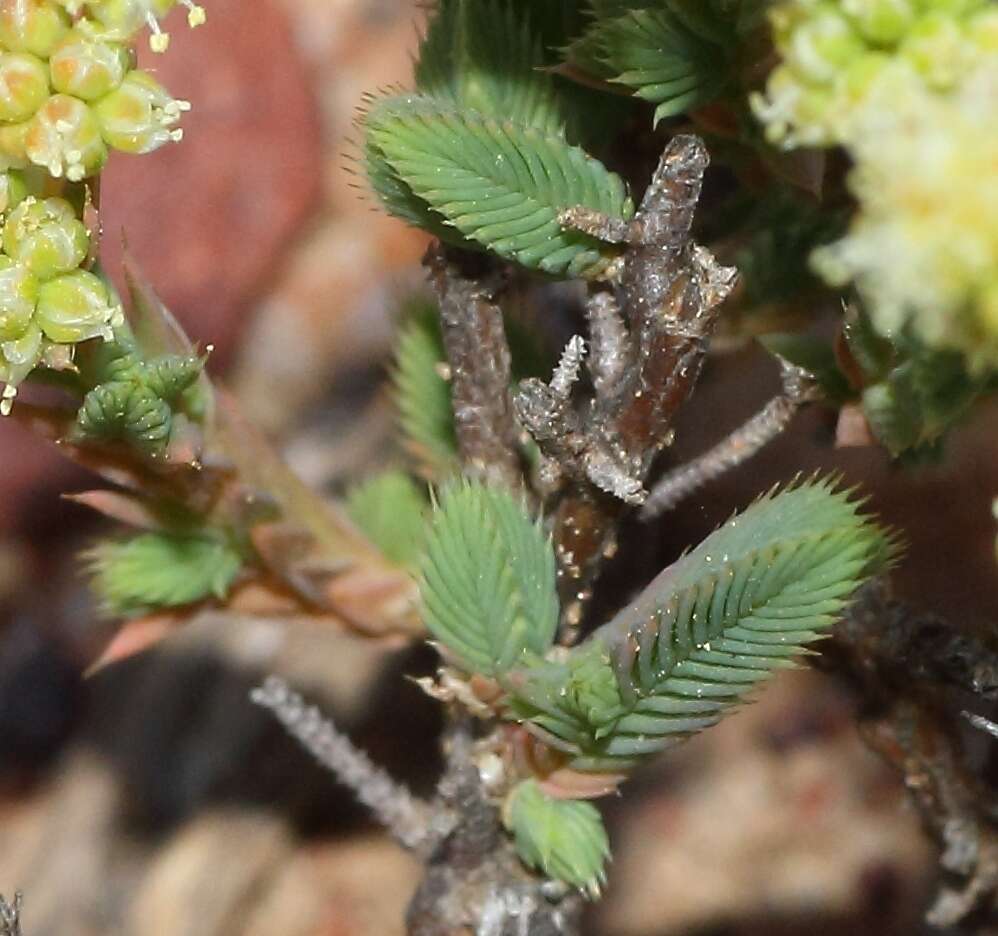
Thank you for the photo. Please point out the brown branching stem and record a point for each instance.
(738, 447)
(907, 665)
(650, 321)
(479, 362)
(407, 819)
(474, 882)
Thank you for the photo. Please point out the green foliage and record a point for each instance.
(673, 55)
(488, 580)
(586, 52)
(485, 55)
(779, 231)
(912, 395)
(500, 184)
(135, 399)
(400, 201)
(707, 630)
(392, 512)
(921, 397)
(564, 839)
(161, 570)
(422, 396)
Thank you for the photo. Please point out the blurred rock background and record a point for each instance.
(153, 799)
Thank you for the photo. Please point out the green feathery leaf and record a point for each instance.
(488, 580)
(674, 56)
(500, 184)
(393, 513)
(563, 839)
(422, 396)
(708, 629)
(161, 570)
(485, 55)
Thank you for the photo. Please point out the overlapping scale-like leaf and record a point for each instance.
(710, 627)
(563, 839)
(488, 580)
(500, 184)
(673, 54)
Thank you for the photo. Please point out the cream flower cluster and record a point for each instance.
(923, 249)
(835, 54)
(910, 89)
(69, 92)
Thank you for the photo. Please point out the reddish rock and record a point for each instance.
(210, 220)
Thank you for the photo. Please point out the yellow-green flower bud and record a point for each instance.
(137, 117)
(18, 296)
(13, 190)
(64, 137)
(881, 21)
(88, 67)
(34, 26)
(821, 46)
(24, 85)
(46, 236)
(75, 307)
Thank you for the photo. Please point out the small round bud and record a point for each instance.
(13, 190)
(88, 67)
(880, 21)
(75, 307)
(137, 117)
(18, 296)
(65, 138)
(24, 85)
(116, 19)
(34, 26)
(46, 236)
(820, 46)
